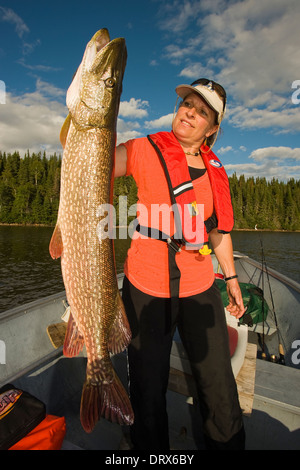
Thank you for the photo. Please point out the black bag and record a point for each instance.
(20, 413)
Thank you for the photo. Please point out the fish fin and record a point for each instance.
(107, 400)
(74, 341)
(120, 333)
(56, 243)
(64, 131)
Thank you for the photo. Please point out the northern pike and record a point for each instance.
(97, 317)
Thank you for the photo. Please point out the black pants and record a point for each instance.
(203, 331)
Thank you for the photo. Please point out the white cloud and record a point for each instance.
(195, 70)
(280, 172)
(176, 16)
(176, 53)
(47, 89)
(270, 162)
(127, 130)
(32, 121)
(128, 135)
(280, 153)
(286, 119)
(223, 150)
(37, 67)
(134, 108)
(9, 16)
(162, 122)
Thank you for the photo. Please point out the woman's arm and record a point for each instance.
(121, 161)
(222, 246)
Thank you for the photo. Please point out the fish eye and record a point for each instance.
(110, 82)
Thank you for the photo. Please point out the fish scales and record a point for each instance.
(97, 318)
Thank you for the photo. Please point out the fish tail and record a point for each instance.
(120, 333)
(102, 399)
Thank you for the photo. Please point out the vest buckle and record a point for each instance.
(174, 245)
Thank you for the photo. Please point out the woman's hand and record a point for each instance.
(236, 304)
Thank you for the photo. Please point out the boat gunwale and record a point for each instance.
(24, 308)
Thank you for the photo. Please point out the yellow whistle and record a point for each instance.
(205, 250)
(194, 208)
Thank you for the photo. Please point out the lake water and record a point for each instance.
(27, 272)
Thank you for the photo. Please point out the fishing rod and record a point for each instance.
(264, 356)
(264, 266)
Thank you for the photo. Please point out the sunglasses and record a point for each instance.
(212, 86)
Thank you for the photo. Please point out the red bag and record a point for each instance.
(48, 435)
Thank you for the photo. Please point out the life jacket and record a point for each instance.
(188, 217)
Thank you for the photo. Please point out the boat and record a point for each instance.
(265, 361)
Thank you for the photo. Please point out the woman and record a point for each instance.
(169, 285)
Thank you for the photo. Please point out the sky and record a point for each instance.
(251, 47)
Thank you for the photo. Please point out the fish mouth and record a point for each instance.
(105, 54)
(97, 85)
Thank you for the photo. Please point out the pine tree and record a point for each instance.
(37, 208)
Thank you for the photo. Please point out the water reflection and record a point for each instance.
(280, 249)
(27, 271)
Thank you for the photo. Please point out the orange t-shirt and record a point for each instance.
(146, 265)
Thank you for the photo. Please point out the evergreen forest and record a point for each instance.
(30, 186)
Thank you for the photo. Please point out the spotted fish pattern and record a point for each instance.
(97, 317)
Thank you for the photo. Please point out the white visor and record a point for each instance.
(207, 93)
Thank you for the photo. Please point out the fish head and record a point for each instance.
(93, 97)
